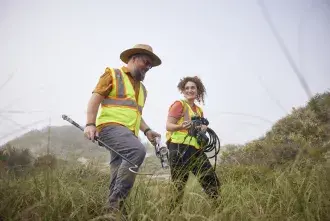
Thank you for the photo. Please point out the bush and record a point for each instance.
(15, 160)
(48, 160)
(304, 133)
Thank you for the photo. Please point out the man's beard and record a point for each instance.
(138, 75)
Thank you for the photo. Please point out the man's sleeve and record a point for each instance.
(104, 84)
(176, 110)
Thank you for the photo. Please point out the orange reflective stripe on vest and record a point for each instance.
(127, 103)
(120, 84)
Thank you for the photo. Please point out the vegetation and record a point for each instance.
(281, 176)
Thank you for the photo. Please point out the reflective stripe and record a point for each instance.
(120, 84)
(186, 113)
(129, 103)
(144, 93)
(185, 116)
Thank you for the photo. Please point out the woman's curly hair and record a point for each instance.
(201, 91)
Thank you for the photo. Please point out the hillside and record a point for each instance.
(66, 142)
(304, 133)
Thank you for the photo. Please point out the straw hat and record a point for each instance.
(143, 49)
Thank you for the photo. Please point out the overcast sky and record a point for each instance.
(53, 53)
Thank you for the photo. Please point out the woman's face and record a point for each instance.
(190, 91)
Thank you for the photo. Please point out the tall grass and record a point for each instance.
(75, 192)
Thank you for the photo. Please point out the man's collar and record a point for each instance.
(125, 69)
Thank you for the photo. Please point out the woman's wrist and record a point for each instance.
(178, 127)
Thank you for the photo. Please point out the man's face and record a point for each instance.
(141, 64)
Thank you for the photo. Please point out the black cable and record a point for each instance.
(212, 145)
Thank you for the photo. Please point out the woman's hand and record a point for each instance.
(185, 125)
(171, 124)
(203, 128)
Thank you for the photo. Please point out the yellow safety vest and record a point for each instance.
(120, 106)
(181, 136)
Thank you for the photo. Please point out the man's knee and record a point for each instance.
(124, 187)
(139, 154)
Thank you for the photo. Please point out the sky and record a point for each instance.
(53, 53)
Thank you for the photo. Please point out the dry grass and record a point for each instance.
(247, 193)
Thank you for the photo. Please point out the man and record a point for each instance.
(122, 96)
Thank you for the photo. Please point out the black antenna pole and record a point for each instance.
(284, 49)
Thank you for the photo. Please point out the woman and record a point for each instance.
(185, 153)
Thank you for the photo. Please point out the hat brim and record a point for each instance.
(124, 56)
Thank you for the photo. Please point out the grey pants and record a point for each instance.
(122, 140)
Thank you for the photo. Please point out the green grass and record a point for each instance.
(70, 192)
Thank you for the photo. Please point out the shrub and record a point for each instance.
(15, 160)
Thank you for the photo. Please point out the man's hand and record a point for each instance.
(90, 132)
(151, 135)
(94, 102)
